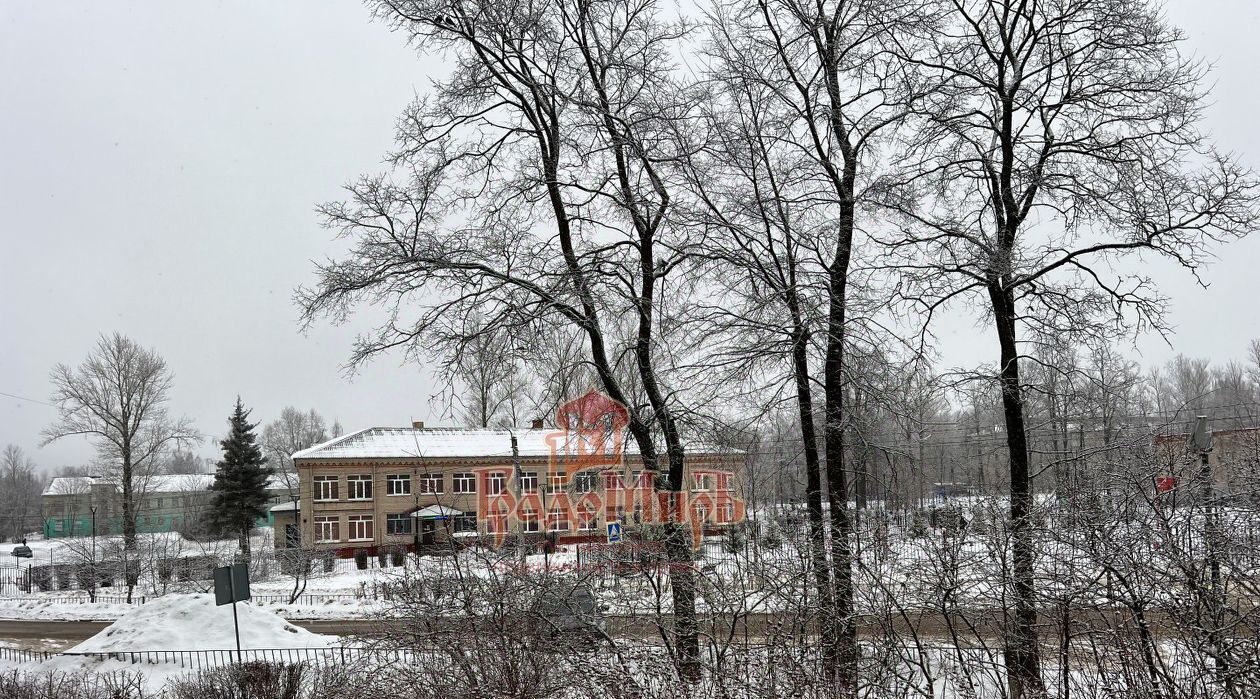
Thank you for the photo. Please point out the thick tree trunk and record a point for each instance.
(1023, 659)
(828, 621)
(845, 653)
(128, 505)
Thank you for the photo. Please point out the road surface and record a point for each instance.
(59, 635)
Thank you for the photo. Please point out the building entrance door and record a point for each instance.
(427, 530)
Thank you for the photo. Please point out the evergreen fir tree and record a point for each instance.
(240, 481)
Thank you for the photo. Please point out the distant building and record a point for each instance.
(1234, 460)
(399, 487)
(164, 503)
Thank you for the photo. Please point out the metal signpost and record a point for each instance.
(231, 585)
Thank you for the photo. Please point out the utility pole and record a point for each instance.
(92, 570)
(1201, 441)
(517, 474)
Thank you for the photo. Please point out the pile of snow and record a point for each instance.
(194, 622)
(60, 608)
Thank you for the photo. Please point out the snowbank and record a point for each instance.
(59, 609)
(194, 622)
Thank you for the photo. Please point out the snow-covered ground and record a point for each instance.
(195, 622)
(177, 622)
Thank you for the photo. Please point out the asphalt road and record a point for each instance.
(56, 635)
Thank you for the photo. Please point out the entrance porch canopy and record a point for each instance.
(436, 512)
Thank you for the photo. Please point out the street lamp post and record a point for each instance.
(415, 521)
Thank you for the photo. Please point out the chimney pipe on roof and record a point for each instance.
(417, 424)
(538, 423)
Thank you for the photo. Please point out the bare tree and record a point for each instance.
(805, 94)
(20, 488)
(491, 375)
(117, 398)
(535, 196)
(1059, 137)
(292, 432)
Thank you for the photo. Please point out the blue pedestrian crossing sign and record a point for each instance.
(614, 532)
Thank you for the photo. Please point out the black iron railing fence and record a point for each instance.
(22, 655)
(207, 659)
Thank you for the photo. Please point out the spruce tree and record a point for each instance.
(240, 481)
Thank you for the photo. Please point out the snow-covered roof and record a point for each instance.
(181, 483)
(450, 442)
(285, 507)
(177, 483)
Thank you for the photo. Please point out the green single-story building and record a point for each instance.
(165, 503)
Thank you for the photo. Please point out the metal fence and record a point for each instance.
(208, 659)
(22, 655)
(14, 579)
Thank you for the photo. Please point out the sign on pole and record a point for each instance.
(614, 532)
(231, 585)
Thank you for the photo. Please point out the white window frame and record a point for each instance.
(394, 480)
(557, 520)
(317, 484)
(528, 482)
(360, 520)
(556, 481)
(400, 517)
(463, 482)
(588, 524)
(530, 522)
(496, 483)
(432, 484)
(352, 486)
(333, 526)
(585, 482)
(614, 481)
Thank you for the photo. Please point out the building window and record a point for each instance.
(325, 488)
(465, 523)
(724, 481)
(326, 529)
(612, 481)
(431, 484)
(398, 524)
(701, 481)
(585, 482)
(528, 481)
(464, 482)
(557, 520)
(495, 483)
(586, 519)
(555, 482)
(496, 523)
(359, 487)
(529, 520)
(398, 485)
(360, 527)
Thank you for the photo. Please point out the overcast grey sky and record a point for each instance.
(160, 162)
